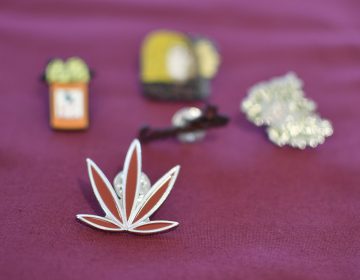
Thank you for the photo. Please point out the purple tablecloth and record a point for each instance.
(247, 209)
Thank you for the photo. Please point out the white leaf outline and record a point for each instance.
(165, 228)
(135, 147)
(172, 174)
(108, 214)
(82, 217)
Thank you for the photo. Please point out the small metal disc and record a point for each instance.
(184, 116)
(145, 185)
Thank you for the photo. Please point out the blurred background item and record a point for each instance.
(69, 94)
(175, 66)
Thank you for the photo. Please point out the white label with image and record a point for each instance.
(69, 103)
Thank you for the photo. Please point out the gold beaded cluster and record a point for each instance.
(290, 117)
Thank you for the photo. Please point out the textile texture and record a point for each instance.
(247, 209)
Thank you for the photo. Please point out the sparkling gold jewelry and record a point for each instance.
(290, 117)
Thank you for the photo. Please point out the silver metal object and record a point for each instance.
(129, 205)
(144, 186)
(184, 116)
(290, 117)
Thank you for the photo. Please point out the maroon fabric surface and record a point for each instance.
(247, 209)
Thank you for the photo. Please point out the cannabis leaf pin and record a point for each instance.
(127, 213)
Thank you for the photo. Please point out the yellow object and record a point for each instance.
(208, 58)
(154, 55)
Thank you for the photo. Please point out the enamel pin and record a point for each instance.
(130, 202)
(69, 94)
(177, 66)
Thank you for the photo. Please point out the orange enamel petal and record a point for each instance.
(105, 194)
(131, 182)
(151, 203)
(155, 226)
(98, 222)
